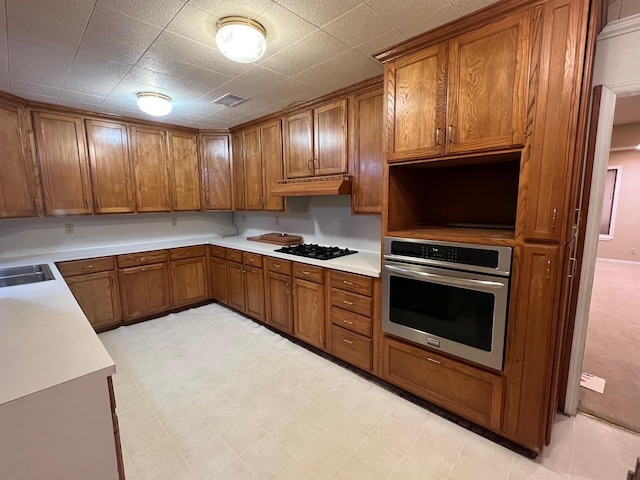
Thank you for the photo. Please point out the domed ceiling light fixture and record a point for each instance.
(241, 39)
(154, 104)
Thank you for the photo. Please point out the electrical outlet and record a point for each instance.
(174, 221)
(277, 220)
(633, 251)
(68, 228)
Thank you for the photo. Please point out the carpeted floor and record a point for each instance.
(613, 344)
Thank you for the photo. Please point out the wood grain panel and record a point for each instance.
(252, 168)
(350, 347)
(189, 281)
(235, 282)
(279, 301)
(144, 290)
(187, 252)
(234, 255)
(151, 171)
(351, 282)
(142, 258)
(219, 289)
(308, 272)
(352, 301)
(86, 266)
(238, 171)
(351, 321)
(19, 196)
(63, 164)
(278, 265)
(97, 294)
(272, 164)
(309, 312)
(254, 285)
(216, 172)
(186, 190)
(330, 138)
(110, 161)
(217, 251)
(297, 133)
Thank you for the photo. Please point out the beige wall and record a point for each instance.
(626, 229)
(622, 8)
(625, 136)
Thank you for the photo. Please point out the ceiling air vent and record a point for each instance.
(230, 100)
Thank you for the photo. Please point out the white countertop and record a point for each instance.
(46, 340)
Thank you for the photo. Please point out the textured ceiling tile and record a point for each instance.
(401, 12)
(109, 48)
(4, 62)
(122, 27)
(34, 96)
(201, 108)
(3, 18)
(227, 8)
(319, 13)
(38, 69)
(86, 81)
(31, 47)
(85, 98)
(437, 18)
(358, 26)
(156, 12)
(35, 88)
(285, 89)
(237, 86)
(190, 73)
(106, 66)
(4, 84)
(168, 82)
(296, 58)
(629, 7)
(283, 28)
(71, 12)
(261, 77)
(66, 102)
(195, 24)
(465, 7)
(129, 87)
(377, 44)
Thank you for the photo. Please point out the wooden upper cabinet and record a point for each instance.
(486, 86)
(110, 161)
(366, 154)
(238, 171)
(19, 195)
(63, 163)
(184, 164)
(149, 149)
(216, 171)
(330, 138)
(415, 87)
(252, 168)
(272, 166)
(297, 132)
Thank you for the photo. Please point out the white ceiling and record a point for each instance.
(627, 109)
(97, 54)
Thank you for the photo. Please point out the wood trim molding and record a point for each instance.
(620, 27)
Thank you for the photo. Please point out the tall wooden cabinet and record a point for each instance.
(19, 181)
(216, 171)
(64, 167)
(272, 165)
(254, 198)
(151, 168)
(184, 166)
(238, 171)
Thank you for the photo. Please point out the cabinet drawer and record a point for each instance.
(465, 390)
(351, 301)
(351, 321)
(352, 282)
(81, 267)
(253, 259)
(186, 252)
(277, 265)
(234, 255)
(308, 272)
(217, 251)
(144, 258)
(351, 347)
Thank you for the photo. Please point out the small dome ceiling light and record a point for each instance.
(154, 104)
(241, 39)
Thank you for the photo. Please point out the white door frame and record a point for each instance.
(619, 74)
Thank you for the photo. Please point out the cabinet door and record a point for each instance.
(149, 147)
(366, 155)
(144, 290)
(308, 312)
(486, 86)
(272, 169)
(185, 177)
(238, 171)
(416, 103)
(97, 295)
(252, 169)
(19, 196)
(297, 131)
(220, 291)
(330, 138)
(235, 280)
(110, 167)
(254, 283)
(189, 281)
(63, 164)
(216, 172)
(280, 301)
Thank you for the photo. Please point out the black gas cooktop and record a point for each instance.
(311, 250)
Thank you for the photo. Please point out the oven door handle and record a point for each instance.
(443, 279)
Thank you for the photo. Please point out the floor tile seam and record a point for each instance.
(237, 457)
(369, 470)
(453, 467)
(299, 463)
(490, 468)
(245, 466)
(404, 454)
(605, 423)
(130, 464)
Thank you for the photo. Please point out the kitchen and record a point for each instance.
(316, 219)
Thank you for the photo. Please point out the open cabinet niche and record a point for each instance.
(474, 199)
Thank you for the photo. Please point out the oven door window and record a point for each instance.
(457, 314)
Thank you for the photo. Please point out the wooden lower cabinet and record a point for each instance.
(309, 312)
(97, 295)
(350, 347)
(189, 281)
(468, 391)
(235, 281)
(279, 301)
(219, 287)
(116, 430)
(144, 290)
(254, 286)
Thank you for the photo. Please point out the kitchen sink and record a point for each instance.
(23, 275)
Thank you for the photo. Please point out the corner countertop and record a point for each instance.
(45, 339)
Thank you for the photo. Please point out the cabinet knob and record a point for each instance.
(97, 203)
(450, 134)
(35, 204)
(437, 136)
(310, 164)
(86, 202)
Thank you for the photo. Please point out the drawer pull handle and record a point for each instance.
(433, 361)
(347, 322)
(347, 283)
(277, 265)
(186, 253)
(144, 269)
(87, 267)
(305, 272)
(142, 259)
(346, 340)
(347, 302)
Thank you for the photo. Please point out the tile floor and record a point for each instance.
(209, 394)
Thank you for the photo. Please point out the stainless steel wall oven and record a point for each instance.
(448, 296)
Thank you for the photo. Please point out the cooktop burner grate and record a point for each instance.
(312, 250)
